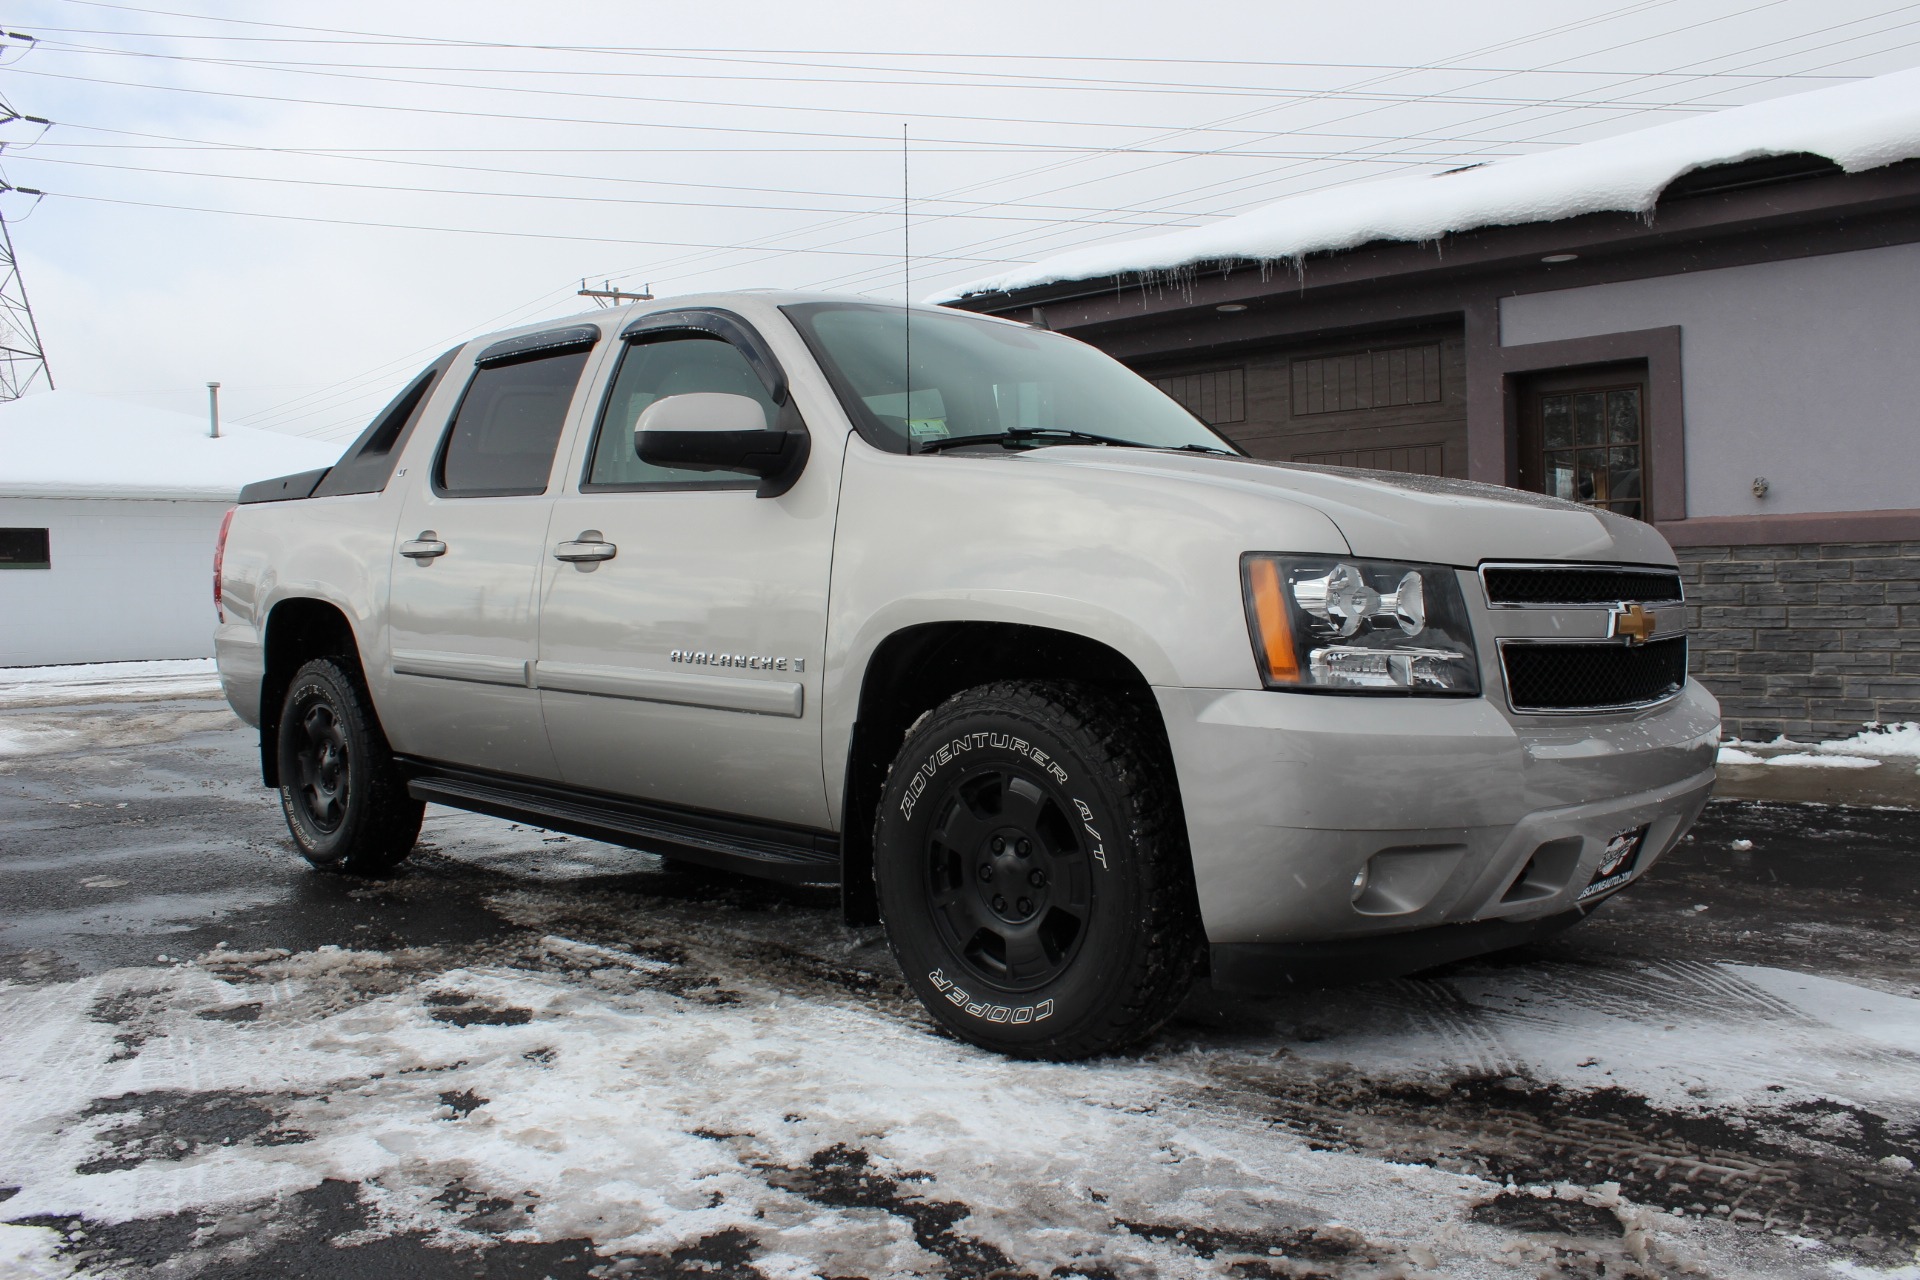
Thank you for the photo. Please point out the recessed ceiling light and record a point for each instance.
(1231, 307)
(1560, 257)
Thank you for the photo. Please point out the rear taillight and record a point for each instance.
(219, 559)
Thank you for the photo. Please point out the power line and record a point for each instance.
(461, 231)
(349, 71)
(1053, 220)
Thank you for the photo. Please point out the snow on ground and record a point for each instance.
(1875, 744)
(1858, 126)
(97, 681)
(582, 1091)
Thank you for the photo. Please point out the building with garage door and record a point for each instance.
(1712, 324)
(108, 517)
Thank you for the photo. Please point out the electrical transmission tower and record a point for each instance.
(23, 360)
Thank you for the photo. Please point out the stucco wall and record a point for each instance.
(1806, 372)
(130, 580)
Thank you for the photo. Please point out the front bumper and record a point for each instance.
(1460, 812)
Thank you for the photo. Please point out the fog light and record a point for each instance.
(1360, 879)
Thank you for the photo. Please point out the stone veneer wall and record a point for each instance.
(1808, 641)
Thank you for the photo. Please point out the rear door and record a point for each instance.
(467, 560)
(685, 668)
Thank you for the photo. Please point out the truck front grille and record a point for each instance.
(1553, 584)
(1559, 677)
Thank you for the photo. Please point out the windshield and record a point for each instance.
(1005, 384)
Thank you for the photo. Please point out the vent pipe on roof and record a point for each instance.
(213, 410)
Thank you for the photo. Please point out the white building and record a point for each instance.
(108, 517)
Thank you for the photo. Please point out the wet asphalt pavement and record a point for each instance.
(152, 845)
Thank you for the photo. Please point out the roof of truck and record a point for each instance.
(68, 444)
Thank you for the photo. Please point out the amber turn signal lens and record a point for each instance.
(1273, 633)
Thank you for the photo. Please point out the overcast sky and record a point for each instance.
(308, 213)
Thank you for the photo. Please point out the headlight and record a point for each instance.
(1364, 626)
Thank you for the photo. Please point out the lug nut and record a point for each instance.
(1036, 877)
(1023, 848)
(1026, 907)
(999, 845)
(986, 871)
(999, 903)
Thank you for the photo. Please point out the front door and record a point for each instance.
(685, 668)
(1583, 437)
(466, 571)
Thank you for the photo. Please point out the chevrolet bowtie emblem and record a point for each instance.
(1632, 622)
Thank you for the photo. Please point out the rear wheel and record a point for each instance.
(344, 799)
(1032, 869)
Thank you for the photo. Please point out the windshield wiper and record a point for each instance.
(1031, 436)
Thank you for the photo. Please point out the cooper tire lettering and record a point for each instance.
(1018, 1016)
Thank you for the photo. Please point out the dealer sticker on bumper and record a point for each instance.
(1617, 864)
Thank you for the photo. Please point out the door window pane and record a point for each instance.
(649, 371)
(1587, 427)
(508, 424)
(1623, 416)
(1556, 417)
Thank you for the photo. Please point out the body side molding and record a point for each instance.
(723, 693)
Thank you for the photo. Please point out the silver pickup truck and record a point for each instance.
(969, 619)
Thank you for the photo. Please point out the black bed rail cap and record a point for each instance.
(285, 488)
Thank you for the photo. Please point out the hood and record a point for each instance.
(1388, 515)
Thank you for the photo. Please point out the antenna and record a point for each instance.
(23, 359)
(906, 277)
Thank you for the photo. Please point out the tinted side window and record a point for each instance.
(669, 366)
(504, 433)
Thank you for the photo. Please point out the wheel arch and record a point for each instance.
(916, 668)
(298, 630)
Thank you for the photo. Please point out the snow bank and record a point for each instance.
(1875, 744)
(42, 686)
(1858, 126)
(66, 444)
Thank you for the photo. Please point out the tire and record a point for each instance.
(345, 801)
(1033, 874)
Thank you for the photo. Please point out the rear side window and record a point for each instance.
(504, 433)
(649, 371)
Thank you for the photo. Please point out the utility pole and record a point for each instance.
(23, 359)
(608, 296)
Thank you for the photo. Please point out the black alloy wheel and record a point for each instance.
(1009, 878)
(1031, 862)
(320, 751)
(344, 798)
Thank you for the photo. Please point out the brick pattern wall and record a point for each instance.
(1806, 641)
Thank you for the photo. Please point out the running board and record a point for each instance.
(764, 849)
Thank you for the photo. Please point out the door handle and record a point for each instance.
(590, 545)
(424, 547)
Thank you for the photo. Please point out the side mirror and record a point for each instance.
(715, 431)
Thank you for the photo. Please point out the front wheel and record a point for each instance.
(344, 799)
(1032, 868)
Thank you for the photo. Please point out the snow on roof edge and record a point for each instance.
(1858, 126)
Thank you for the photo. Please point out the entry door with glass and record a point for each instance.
(466, 565)
(1584, 437)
